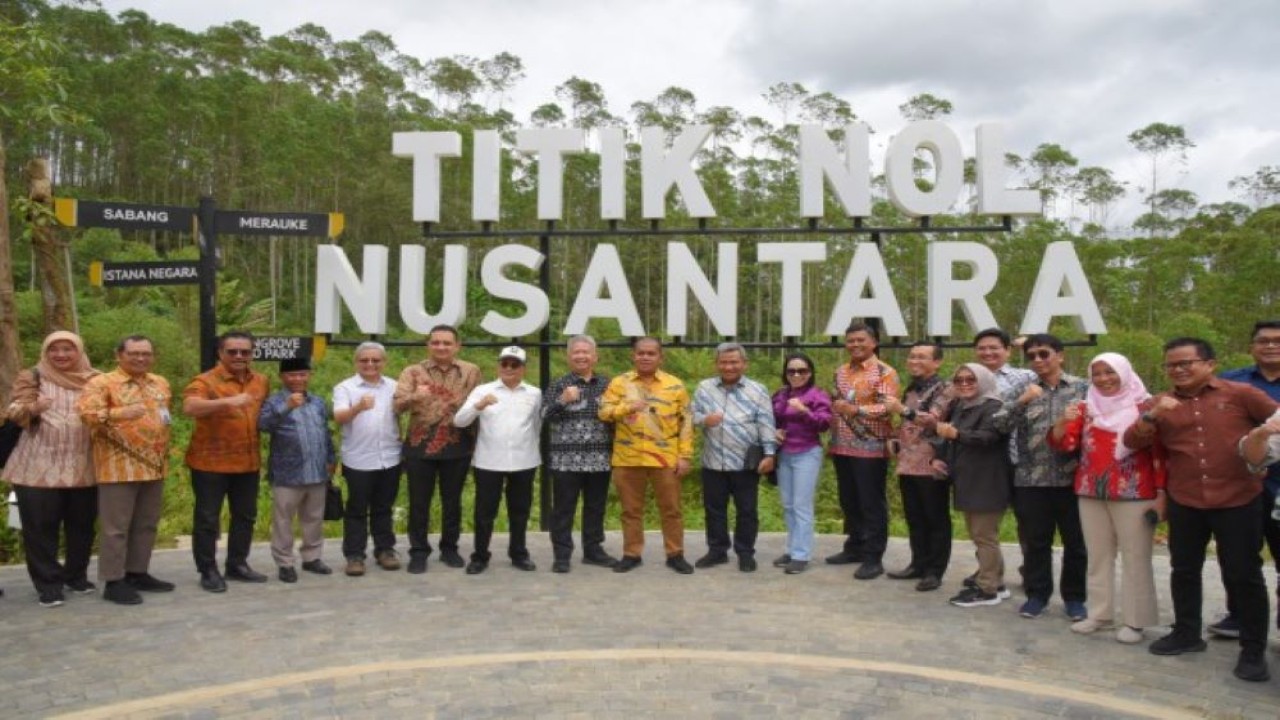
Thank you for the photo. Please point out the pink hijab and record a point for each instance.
(1115, 413)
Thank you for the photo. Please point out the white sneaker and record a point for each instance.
(1129, 635)
(1089, 625)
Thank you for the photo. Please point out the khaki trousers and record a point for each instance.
(307, 502)
(984, 531)
(128, 514)
(1119, 526)
(631, 484)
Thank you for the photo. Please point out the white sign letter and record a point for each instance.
(850, 180)
(426, 149)
(792, 256)
(500, 286)
(1060, 270)
(551, 145)
(605, 272)
(613, 173)
(365, 297)
(948, 164)
(413, 272)
(684, 274)
(486, 167)
(867, 267)
(660, 169)
(993, 198)
(945, 289)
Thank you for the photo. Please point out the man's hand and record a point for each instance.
(486, 401)
(296, 400)
(1032, 392)
(238, 401)
(894, 405)
(713, 419)
(682, 467)
(766, 465)
(131, 412)
(947, 431)
(570, 395)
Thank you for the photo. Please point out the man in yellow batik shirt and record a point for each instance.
(653, 443)
(127, 411)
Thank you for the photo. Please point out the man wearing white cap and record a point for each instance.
(508, 411)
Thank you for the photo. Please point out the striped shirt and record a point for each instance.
(747, 422)
(53, 453)
(132, 450)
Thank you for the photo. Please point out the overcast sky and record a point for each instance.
(1082, 74)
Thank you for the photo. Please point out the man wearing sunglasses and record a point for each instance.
(224, 459)
(1264, 374)
(1210, 493)
(508, 412)
(1044, 500)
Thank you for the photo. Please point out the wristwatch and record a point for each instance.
(1148, 418)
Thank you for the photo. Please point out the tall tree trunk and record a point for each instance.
(55, 295)
(10, 353)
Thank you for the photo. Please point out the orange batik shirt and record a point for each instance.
(133, 450)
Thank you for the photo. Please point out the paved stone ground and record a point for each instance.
(591, 644)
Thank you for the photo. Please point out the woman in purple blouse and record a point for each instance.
(802, 413)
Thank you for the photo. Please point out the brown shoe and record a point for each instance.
(389, 561)
(355, 567)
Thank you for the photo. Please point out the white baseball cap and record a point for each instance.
(512, 351)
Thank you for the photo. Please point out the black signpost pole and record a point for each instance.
(544, 381)
(208, 282)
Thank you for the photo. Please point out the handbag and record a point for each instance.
(333, 509)
(11, 431)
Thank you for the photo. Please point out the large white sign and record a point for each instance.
(666, 163)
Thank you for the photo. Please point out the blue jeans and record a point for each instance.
(797, 483)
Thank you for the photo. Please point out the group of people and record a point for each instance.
(1096, 461)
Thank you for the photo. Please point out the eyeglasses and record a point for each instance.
(1267, 342)
(1181, 364)
(511, 364)
(796, 372)
(237, 352)
(1039, 354)
(964, 381)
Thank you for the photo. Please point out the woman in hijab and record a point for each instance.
(1121, 496)
(50, 468)
(975, 455)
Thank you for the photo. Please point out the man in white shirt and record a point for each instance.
(509, 414)
(362, 406)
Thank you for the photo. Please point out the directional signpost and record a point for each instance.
(207, 222)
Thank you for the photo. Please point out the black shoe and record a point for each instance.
(560, 566)
(928, 582)
(51, 598)
(121, 593)
(782, 560)
(288, 575)
(244, 573)
(417, 565)
(475, 567)
(524, 564)
(1226, 627)
(747, 563)
(317, 566)
(1252, 666)
(81, 587)
(679, 564)
(868, 571)
(452, 558)
(212, 582)
(627, 564)
(600, 559)
(972, 580)
(910, 572)
(146, 583)
(1176, 644)
(844, 558)
(711, 559)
